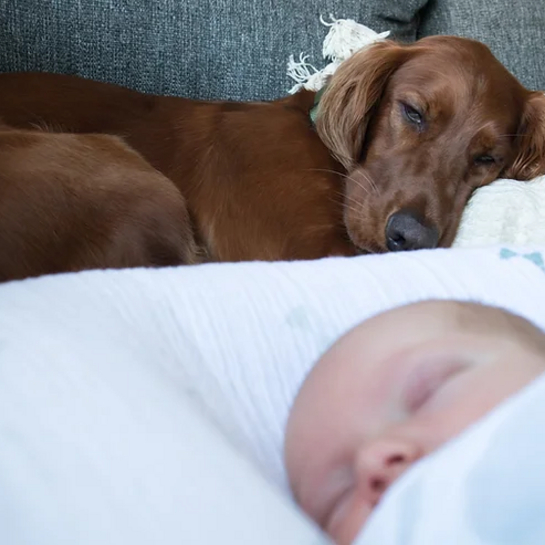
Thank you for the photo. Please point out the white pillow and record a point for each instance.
(504, 212)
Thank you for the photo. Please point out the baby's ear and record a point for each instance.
(530, 159)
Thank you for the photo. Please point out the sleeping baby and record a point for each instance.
(393, 390)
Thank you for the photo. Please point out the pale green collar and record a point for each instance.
(314, 110)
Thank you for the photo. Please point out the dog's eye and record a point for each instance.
(412, 115)
(484, 160)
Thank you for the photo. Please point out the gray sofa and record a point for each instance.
(238, 49)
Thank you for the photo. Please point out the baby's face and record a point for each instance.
(392, 390)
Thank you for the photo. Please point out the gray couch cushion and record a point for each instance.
(213, 49)
(514, 30)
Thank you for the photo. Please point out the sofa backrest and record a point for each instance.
(210, 49)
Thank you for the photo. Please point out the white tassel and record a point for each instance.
(344, 38)
(301, 71)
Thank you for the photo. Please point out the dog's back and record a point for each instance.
(257, 179)
(73, 202)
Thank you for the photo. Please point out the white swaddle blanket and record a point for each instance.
(234, 340)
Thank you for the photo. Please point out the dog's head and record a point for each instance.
(418, 128)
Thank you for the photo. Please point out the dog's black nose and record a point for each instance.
(404, 231)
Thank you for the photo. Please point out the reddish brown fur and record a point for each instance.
(259, 181)
(472, 105)
(74, 202)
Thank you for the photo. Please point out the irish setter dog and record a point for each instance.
(93, 175)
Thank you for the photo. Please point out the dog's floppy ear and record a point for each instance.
(530, 159)
(351, 96)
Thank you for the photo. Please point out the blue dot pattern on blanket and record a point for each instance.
(505, 489)
(298, 318)
(535, 257)
(304, 320)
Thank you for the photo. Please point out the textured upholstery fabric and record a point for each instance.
(513, 29)
(238, 49)
(212, 49)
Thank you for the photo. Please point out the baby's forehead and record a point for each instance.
(466, 317)
(433, 318)
(447, 310)
(437, 312)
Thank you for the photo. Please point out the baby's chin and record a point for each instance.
(348, 520)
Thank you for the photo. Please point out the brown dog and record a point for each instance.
(404, 134)
(73, 202)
